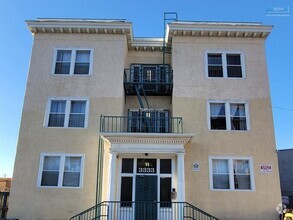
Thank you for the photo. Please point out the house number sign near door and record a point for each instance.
(195, 167)
(146, 166)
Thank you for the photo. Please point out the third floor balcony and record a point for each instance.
(155, 80)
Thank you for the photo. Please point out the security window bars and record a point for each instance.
(67, 113)
(228, 116)
(225, 65)
(234, 66)
(231, 174)
(60, 171)
(215, 66)
(73, 62)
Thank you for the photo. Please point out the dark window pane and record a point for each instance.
(62, 68)
(233, 59)
(81, 68)
(214, 59)
(165, 192)
(221, 181)
(165, 166)
(215, 71)
(56, 120)
(218, 123)
(50, 178)
(127, 165)
(234, 71)
(76, 120)
(71, 179)
(146, 165)
(242, 182)
(238, 123)
(126, 192)
(234, 65)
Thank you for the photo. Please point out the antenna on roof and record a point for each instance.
(168, 16)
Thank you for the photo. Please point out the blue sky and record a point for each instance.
(147, 18)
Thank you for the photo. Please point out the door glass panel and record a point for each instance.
(126, 192)
(165, 192)
(127, 165)
(146, 166)
(165, 166)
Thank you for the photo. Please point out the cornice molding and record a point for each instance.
(147, 138)
(217, 29)
(122, 27)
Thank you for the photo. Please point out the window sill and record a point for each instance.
(74, 128)
(59, 187)
(232, 190)
(234, 131)
(71, 75)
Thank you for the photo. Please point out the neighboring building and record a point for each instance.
(285, 158)
(5, 185)
(109, 117)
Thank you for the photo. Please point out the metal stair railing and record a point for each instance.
(143, 210)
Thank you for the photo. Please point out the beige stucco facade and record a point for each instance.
(112, 52)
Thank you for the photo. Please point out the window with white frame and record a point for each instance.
(60, 170)
(228, 115)
(67, 113)
(231, 174)
(225, 65)
(73, 62)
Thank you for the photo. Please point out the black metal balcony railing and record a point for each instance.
(144, 211)
(141, 124)
(154, 82)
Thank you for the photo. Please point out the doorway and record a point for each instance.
(146, 197)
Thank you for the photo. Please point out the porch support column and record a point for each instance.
(112, 176)
(180, 178)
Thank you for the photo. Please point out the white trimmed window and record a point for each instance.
(60, 170)
(225, 115)
(225, 64)
(64, 112)
(72, 61)
(231, 173)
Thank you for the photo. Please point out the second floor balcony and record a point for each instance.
(155, 80)
(141, 124)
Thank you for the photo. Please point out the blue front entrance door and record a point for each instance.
(146, 197)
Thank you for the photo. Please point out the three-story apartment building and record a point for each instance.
(160, 128)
